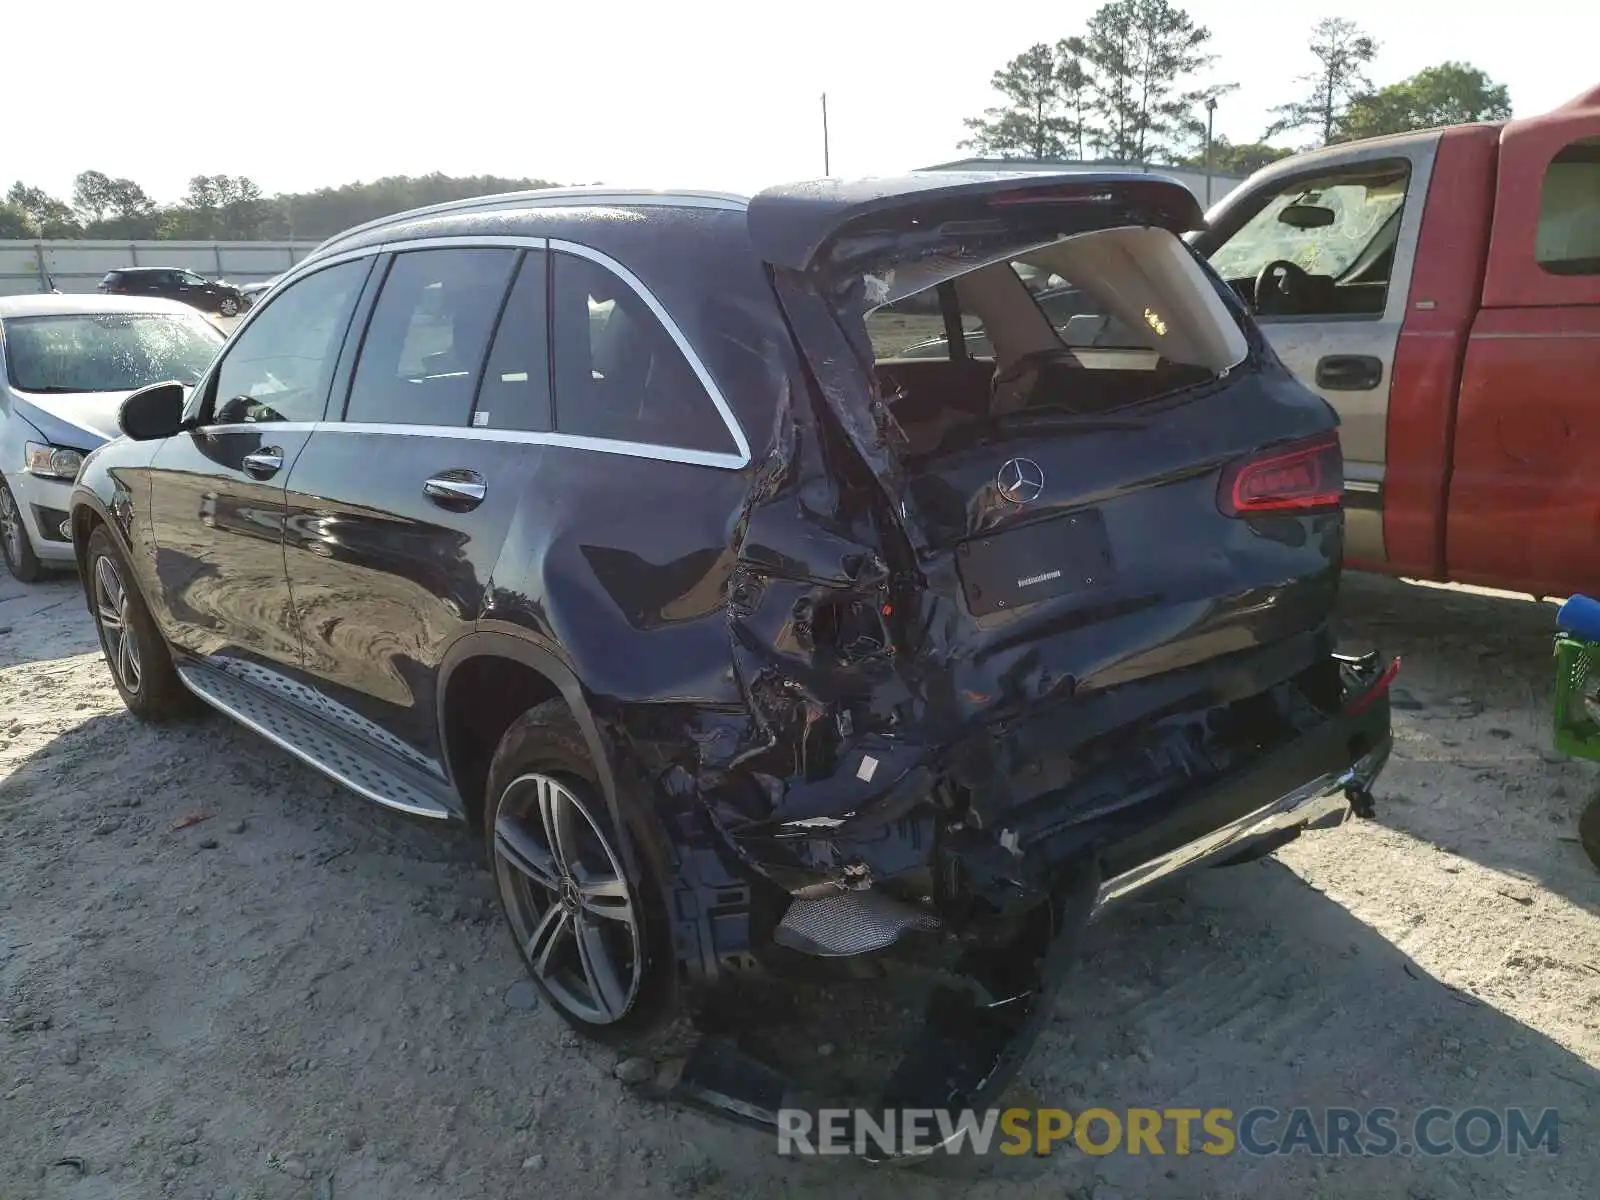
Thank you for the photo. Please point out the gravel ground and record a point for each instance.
(223, 976)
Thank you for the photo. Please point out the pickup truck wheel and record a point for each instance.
(595, 940)
(140, 662)
(1589, 830)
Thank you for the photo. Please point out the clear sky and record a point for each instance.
(300, 94)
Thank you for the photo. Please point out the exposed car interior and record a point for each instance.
(1139, 319)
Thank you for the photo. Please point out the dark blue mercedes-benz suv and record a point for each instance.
(614, 526)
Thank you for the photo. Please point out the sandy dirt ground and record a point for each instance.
(302, 995)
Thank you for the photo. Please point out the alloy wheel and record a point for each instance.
(570, 904)
(112, 610)
(11, 531)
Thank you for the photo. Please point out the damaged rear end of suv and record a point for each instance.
(822, 605)
(1023, 622)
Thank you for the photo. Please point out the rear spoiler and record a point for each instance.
(799, 226)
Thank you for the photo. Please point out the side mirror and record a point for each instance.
(152, 412)
(1307, 216)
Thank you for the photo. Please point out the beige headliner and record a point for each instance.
(1145, 277)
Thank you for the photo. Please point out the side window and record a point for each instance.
(1568, 241)
(281, 365)
(515, 393)
(428, 335)
(618, 373)
(1320, 247)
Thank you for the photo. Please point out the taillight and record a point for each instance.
(1291, 478)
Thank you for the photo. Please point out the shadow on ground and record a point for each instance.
(43, 621)
(1474, 771)
(325, 988)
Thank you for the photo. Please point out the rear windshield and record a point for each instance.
(1117, 299)
(913, 327)
(106, 352)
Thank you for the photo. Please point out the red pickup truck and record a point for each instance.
(1442, 291)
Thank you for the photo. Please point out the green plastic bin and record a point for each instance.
(1577, 715)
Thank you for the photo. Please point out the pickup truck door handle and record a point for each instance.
(1349, 372)
(265, 462)
(457, 490)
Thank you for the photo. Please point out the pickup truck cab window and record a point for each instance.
(281, 365)
(1568, 239)
(1320, 247)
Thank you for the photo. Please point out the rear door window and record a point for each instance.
(429, 334)
(619, 374)
(515, 393)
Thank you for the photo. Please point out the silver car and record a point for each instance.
(66, 364)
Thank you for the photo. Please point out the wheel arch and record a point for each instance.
(497, 652)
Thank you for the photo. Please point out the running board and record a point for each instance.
(317, 744)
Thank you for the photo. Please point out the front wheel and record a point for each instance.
(140, 662)
(15, 546)
(229, 307)
(594, 939)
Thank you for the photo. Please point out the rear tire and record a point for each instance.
(595, 941)
(15, 546)
(138, 656)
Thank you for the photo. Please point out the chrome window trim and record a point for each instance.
(466, 241)
(276, 426)
(570, 441)
(678, 454)
(699, 368)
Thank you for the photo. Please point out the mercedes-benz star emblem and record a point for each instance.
(1020, 480)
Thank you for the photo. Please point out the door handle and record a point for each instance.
(457, 490)
(1349, 372)
(264, 463)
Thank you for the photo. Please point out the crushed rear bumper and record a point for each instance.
(973, 1042)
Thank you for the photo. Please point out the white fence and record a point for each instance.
(77, 266)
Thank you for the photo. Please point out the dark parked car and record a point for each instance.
(175, 283)
(589, 520)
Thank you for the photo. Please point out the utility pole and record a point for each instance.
(1211, 115)
(827, 166)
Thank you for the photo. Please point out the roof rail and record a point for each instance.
(544, 198)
